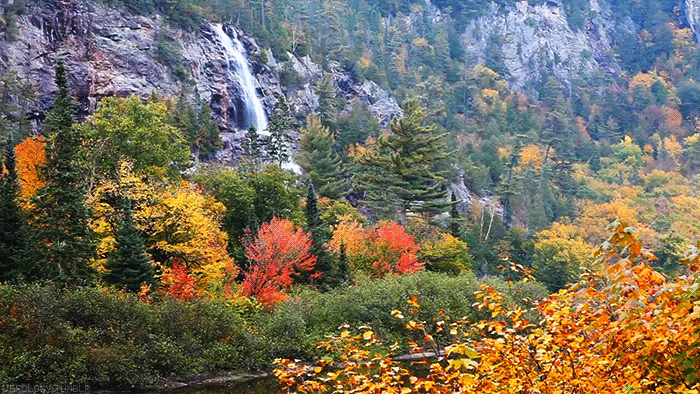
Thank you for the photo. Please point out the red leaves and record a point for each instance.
(178, 283)
(393, 243)
(277, 252)
(380, 251)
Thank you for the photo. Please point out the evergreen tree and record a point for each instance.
(129, 265)
(319, 237)
(342, 269)
(252, 146)
(12, 224)
(402, 170)
(321, 162)
(62, 239)
(327, 103)
(195, 122)
(281, 122)
(208, 138)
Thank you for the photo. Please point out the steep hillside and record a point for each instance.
(111, 51)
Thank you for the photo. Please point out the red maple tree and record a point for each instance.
(278, 251)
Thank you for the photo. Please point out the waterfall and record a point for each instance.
(238, 67)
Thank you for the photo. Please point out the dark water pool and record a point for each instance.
(268, 385)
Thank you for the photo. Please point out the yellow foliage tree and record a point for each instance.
(179, 223)
(531, 155)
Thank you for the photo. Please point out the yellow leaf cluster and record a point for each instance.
(531, 155)
(180, 223)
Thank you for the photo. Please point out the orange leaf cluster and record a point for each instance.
(30, 158)
(626, 329)
(379, 251)
(176, 282)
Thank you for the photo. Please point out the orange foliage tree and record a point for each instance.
(30, 158)
(278, 252)
(379, 251)
(626, 329)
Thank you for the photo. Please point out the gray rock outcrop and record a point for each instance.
(692, 16)
(538, 37)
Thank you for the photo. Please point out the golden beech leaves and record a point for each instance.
(531, 155)
(625, 329)
(179, 224)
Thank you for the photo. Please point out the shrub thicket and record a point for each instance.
(99, 336)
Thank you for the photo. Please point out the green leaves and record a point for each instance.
(127, 129)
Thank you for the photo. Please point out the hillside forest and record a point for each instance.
(542, 237)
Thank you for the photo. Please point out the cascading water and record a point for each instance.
(238, 67)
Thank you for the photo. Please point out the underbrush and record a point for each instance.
(102, 337)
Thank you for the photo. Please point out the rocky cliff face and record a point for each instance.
(692, 16)
(533, 38)
(111, 52)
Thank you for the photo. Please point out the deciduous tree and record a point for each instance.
(277, 253)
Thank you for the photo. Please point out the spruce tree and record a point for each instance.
(319, 237)
(12, 222)
(252, 145)
(327, 102)
(281, 122)
(321, 162)
(342, 269)
(63, 243)
(129, 265)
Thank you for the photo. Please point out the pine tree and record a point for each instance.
(12, 224)
(208, 138)
(402, 170)
(251, 147)
(342, 269)
(321, 162)
(129, 265)
(62, 239)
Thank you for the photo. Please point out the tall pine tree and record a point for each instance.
(63, 242)
(403, 169)
(12, 223)
(281, 122)
(327, 102)
(129, 265)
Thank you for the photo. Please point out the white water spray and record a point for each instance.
(238, 67)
